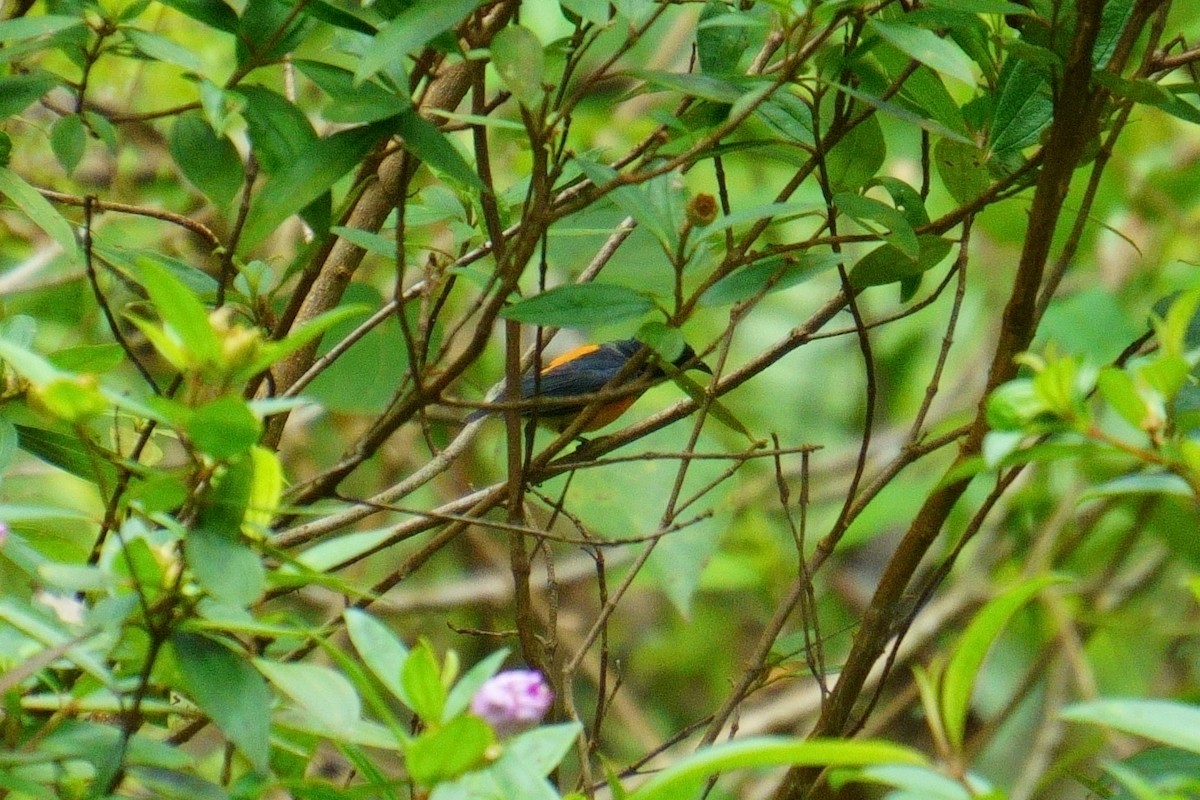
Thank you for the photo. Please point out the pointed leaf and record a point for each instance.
(227, 688)
(209, 161)
(677, 780)
(181, 310)
(518, 58)
(1172, 723)
(322, 692)
(37, 208)
(383, 653)
(424, 139)
(68, 453)
(580, 305)
(940, 55)
(972, 648)
(409, 30)
(308, 176)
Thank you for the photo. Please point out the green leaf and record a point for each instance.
(323, 693)
(273, 352)
(68, 139)
(94, 358)
(858, 156)
(940, 55)
(410, 29)
(10, 442)
(173, 784)
(519, 60)
(214, 13)
(1164, 483)
(422, 682)
(721, 38)
(923, 91)
(338, 551)
(381, 651)
(326, 12)
(125, 262)
(866, 209)
(363, 102)
(181, 311)
(972, 648)
(540, 750)
(529, 757)
(1114, 15)
(769, 275)
(634, 201)
(35, 623)
(160, 48)
(1165, 767)
(981, 6)
(424, 139)
(229, 690)
(70, 398)
(580, 305)
(68, 453)
(443, 753)
(278, 130)
(962, 168)
(594, 11)
(1152, 94)
(36, 207)
(905, 198)
(268, 30)
(18, 91)
(1022, 110)
(225, 566)
(75, 738)
(887, 264)
(223, 508)
(923, 782)
(1118, 390)
(309, 175)
(900, 112)
(266, 490)
(787, 116)
(224, 428)
(209, 161)
(28, 364)
(704, 87)
(22, 28)
(682, 777)
(1175, 724)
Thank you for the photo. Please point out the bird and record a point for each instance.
(584, 371)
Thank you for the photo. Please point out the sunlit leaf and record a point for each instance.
(1172, 723)
(580, 306)
(409, 30)
(972, 647)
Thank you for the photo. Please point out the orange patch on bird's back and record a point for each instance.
(569, 356)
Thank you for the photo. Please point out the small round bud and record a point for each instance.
(513, 701)
(702, 209)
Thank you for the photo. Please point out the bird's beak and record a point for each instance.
(700, 365)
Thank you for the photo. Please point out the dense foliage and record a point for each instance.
(929, 530)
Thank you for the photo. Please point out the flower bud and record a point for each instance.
(702, 210)
(513, 701)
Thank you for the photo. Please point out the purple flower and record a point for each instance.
(3, 532)
(513, 700)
